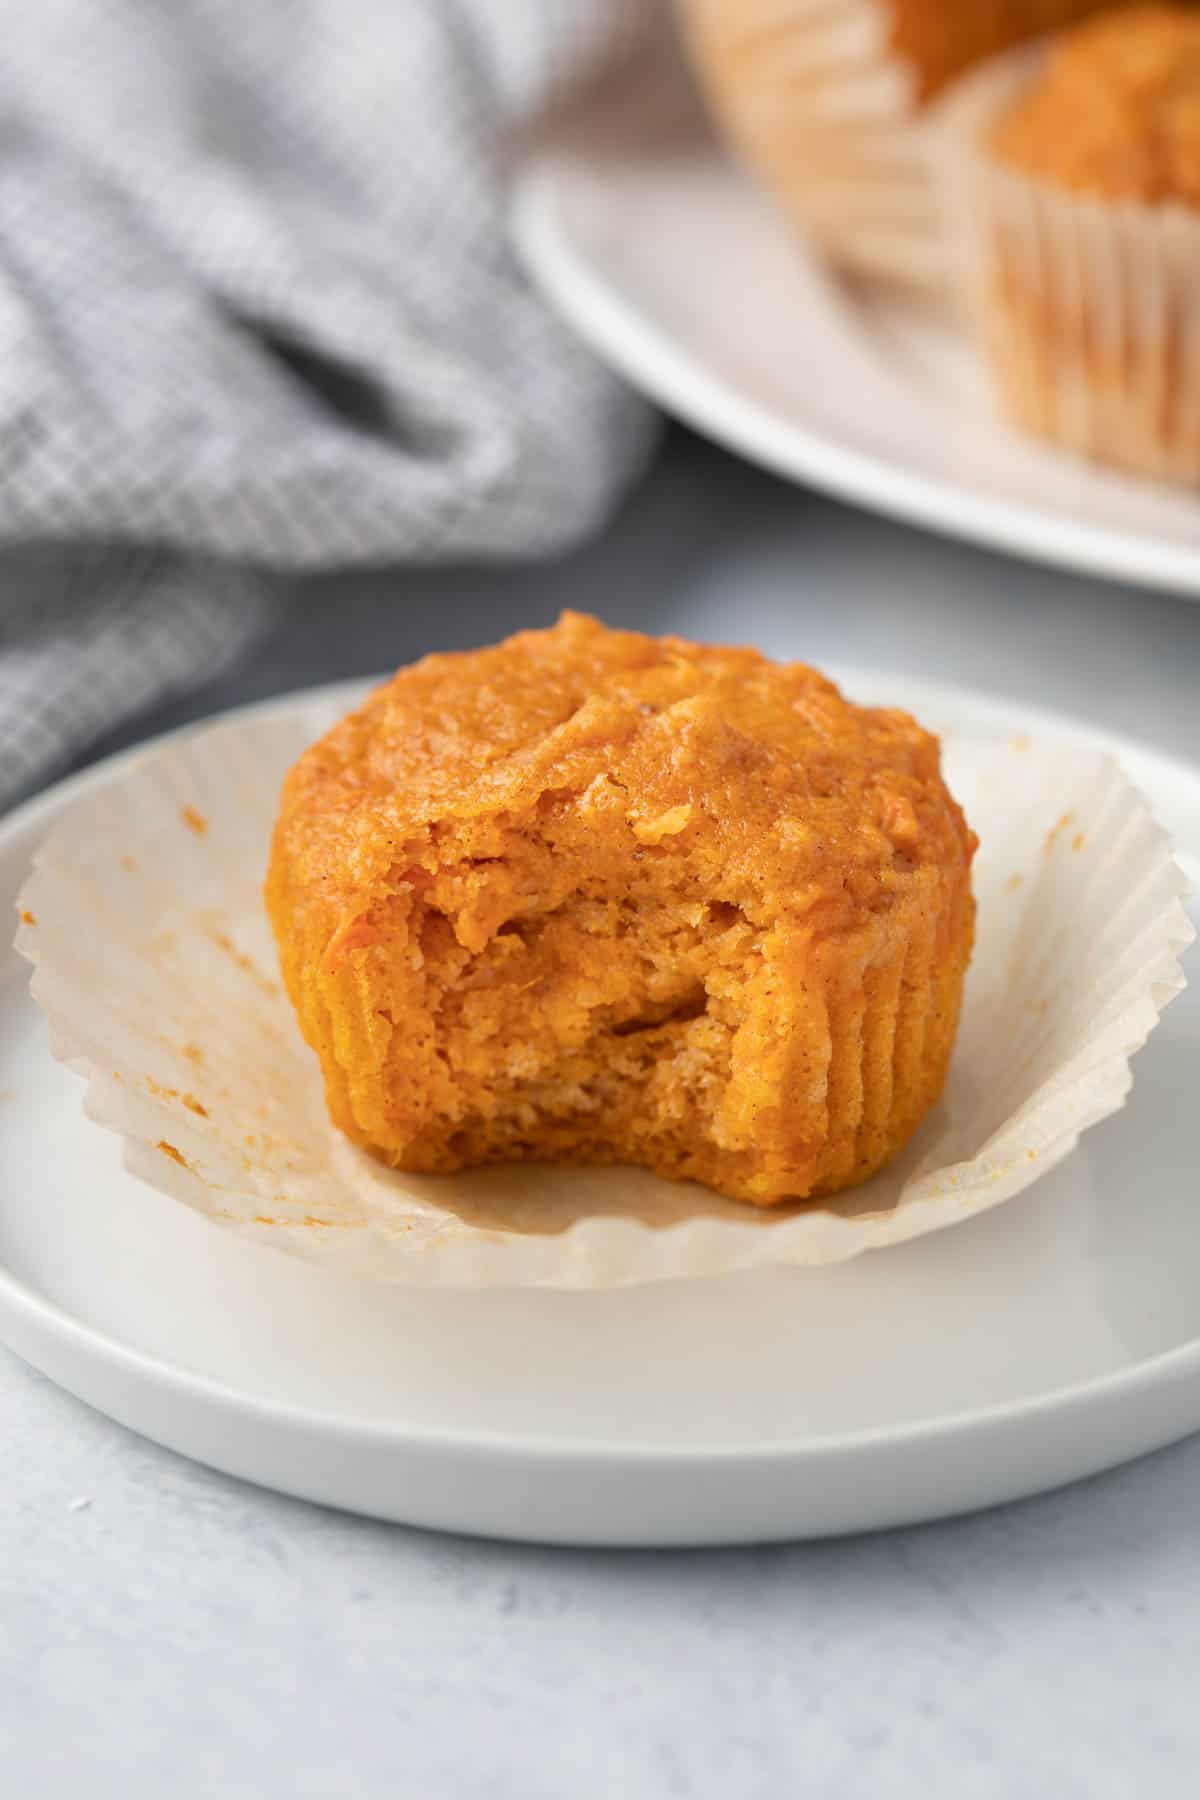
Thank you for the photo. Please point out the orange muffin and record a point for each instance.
(1078, 205)
(589, 896)
(826, 100)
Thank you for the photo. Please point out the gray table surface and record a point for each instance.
(184, 1633)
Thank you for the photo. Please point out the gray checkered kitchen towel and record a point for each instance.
(257, 312)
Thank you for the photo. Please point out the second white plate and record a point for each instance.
(1048, 1339)
(669, 263)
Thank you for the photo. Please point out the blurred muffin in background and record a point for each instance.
(1072, 176)
(826, 100)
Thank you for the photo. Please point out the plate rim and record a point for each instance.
(650, 358)
(53, 1325)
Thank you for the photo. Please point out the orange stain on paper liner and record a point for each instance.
(1056, 829)
(170, 1093)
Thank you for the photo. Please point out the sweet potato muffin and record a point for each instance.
(1078, 207)
(590, 896)
(827, 103)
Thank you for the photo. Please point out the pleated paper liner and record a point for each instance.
(830, 102)
(812, 95)
(1086, 311)
(155, 965)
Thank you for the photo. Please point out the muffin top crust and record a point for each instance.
(782, 794)
(1115, 110)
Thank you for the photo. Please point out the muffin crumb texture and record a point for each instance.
(1116, 110)
(590, 896)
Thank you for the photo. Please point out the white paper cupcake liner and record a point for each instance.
(155, 966)
(812, 96)
(810, 92)
(1087, 311)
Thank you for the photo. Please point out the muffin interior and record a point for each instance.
(589, 1019)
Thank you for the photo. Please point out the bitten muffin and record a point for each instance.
(1075, 193)
(826, 100)
(589, 896)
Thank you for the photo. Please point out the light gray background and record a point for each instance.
(185, 1634)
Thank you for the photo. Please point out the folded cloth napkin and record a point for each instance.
(258, 312)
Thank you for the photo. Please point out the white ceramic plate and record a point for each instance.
(675, 270)
(1044, 1341)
